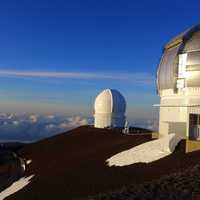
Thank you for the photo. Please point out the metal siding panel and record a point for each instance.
(167, 69)
(193, 58)
(193, 79)
(193, 68)
(193, 43)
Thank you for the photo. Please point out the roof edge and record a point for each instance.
(182, 37)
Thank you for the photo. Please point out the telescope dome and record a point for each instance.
(180, 62)
(110, 108)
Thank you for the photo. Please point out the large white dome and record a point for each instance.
(110, 108)
(180, 63)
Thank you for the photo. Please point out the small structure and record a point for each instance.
(126, 128)
(178, 85)
(110, 108)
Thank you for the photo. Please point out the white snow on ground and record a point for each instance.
(16, 186)
(28, 162)
(23, 164)
(147, 152)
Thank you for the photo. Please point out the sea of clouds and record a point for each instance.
(32, 127)
(151, 124)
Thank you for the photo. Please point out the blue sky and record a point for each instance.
(55, 56)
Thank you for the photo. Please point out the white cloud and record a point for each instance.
(64, 125)
(11, 116)
(50, 126)
(73, 122)
(30, 127)
(3, 115)
(16, 123)
(5, 123)
(33, 118)
(140, 78)
(50, 116)
(42, 74)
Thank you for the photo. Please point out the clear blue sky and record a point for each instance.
(91, 44)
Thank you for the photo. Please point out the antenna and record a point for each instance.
(126, 128)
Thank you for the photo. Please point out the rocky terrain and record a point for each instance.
(180, 185)
(73, 166)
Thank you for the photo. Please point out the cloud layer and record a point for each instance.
(31, 127)
(141, 78)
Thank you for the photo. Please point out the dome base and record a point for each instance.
(109, 120)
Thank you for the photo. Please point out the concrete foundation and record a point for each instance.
(192, 145)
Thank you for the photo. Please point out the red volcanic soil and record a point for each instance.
(73, 165)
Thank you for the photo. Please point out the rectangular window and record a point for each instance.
(182, 62)
(182, 65)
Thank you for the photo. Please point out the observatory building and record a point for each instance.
(110, 108)
(178, 85)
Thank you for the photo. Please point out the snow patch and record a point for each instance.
(16, 186)
(28, 162)
(23, 166)
(147, 152)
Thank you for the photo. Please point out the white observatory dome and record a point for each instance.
(110, 108)
(180, 63)
(178, 85)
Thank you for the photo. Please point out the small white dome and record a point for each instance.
(110, 101)
(110, 108)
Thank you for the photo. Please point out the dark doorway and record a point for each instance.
(194, 126)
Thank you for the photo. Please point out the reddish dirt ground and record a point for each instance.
(72, 165)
